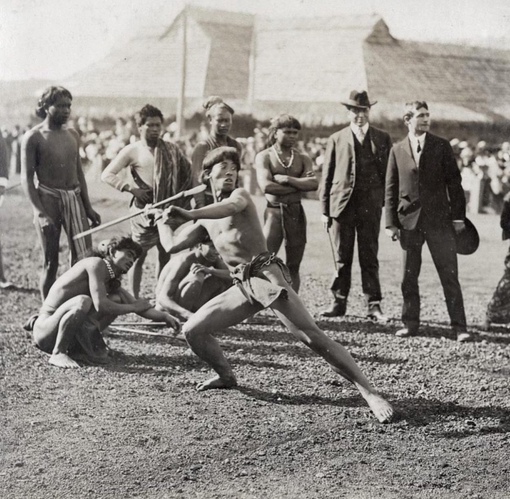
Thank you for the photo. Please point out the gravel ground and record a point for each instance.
(293, 429)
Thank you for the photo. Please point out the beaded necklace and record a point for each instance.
(280, 160)
(110, 269)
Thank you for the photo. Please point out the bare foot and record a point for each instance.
(380, 407)
(62, 360)
(216, 382)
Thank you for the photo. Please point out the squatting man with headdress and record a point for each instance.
(261, 281)
(85, 300)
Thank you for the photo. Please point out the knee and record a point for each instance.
(83, 303)
(192, 332)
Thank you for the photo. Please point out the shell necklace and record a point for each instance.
(291, 159)
(110, 269)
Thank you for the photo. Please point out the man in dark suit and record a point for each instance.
(425, 203)
(352, 196)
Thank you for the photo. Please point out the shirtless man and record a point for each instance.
(261, 280)
(191, 279)
(60, 197)
(283, 174)
(86, 299)
(158, 170)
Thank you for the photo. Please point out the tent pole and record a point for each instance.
(182, 91)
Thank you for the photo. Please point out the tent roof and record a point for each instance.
(303, 66)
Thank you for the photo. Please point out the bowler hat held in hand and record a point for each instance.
(468, 239)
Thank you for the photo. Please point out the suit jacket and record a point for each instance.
(431, 191)
(504, 219)
(339, 168)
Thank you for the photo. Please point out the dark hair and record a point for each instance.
(281, 121)
(49, 97)
(413, 106)
(108, 246)
(146, 112)
(215, 101)
(217, 156)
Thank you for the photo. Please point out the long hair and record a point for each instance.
(217, 156)
(49, 97)
(281, 121)
(108, 246)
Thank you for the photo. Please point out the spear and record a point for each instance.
(183, 194)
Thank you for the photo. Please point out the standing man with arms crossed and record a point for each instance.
(283, 174)
(425, 203)
(352, 196)
(261, 279)
(158, 170)
(50, 152)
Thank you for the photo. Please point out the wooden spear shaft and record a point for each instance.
(183, 194)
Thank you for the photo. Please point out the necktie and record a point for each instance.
(360, 135)
(419, 147)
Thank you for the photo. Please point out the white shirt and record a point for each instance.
(414, 141)
(355, 130)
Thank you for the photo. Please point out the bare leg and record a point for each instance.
(294, 315)
(135, 275)
(189, 289)
(56, 333)
(227, 309)
(163, 259)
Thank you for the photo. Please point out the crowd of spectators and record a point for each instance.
(485, 168)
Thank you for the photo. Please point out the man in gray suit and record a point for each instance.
(352, 196)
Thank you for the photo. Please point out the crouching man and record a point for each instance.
(191, 279)
(261, 281)
(86, 299)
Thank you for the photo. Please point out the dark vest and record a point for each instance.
(367, 174)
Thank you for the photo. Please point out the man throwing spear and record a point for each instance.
(262, 281)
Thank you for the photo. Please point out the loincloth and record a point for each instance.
(255, 286)
(292, 220)
(73, 215)
(143, 229)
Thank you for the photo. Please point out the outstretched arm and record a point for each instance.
(151, 313)
(236, 203)
(187, 238)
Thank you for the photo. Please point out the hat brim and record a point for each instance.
(353, 103)
(468, 240)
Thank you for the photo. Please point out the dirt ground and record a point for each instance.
(293, 429)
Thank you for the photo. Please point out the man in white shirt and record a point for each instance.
(425, 203)
(158, 170)
(352, 195)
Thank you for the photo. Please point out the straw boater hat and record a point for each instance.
(358, 99)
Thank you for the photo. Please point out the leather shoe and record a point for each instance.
(462, 335)
(337, 309)
(406, 332)
(375, 313)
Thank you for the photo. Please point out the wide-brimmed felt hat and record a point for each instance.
(358, 99)
(467, 240)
